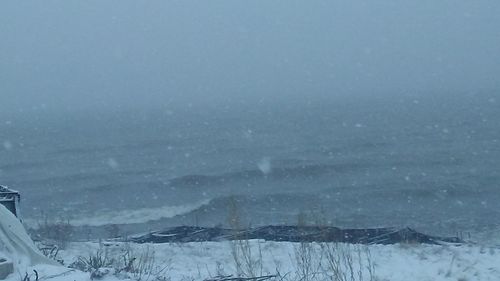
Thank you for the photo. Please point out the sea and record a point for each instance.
(430, 162)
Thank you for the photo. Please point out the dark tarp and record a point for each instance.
(294, 234)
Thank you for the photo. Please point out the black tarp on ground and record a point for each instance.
(293, 234)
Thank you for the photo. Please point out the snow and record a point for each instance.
(16, 243)
(264, 165)
(201, 260)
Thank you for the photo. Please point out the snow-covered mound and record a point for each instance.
(16, 245)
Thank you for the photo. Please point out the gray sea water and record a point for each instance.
(429, 163)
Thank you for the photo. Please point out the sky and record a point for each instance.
(111, 54)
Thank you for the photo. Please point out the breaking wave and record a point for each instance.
(138, 215)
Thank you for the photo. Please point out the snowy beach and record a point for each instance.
(200, 261)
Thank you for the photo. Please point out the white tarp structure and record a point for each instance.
(16, 243)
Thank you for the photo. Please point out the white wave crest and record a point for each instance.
(138, 215)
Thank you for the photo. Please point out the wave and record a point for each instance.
(251, 209)
(275, 173)
(138, 215)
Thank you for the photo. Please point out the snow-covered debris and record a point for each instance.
(9, 198)
(16, 245)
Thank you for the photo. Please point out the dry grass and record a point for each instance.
(128, 264)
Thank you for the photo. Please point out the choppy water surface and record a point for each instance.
(428, 163)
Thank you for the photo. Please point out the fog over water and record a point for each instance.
(74, 54)
(368, 113)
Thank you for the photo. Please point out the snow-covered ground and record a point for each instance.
(199, 261)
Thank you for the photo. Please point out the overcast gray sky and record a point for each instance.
(72, 54)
